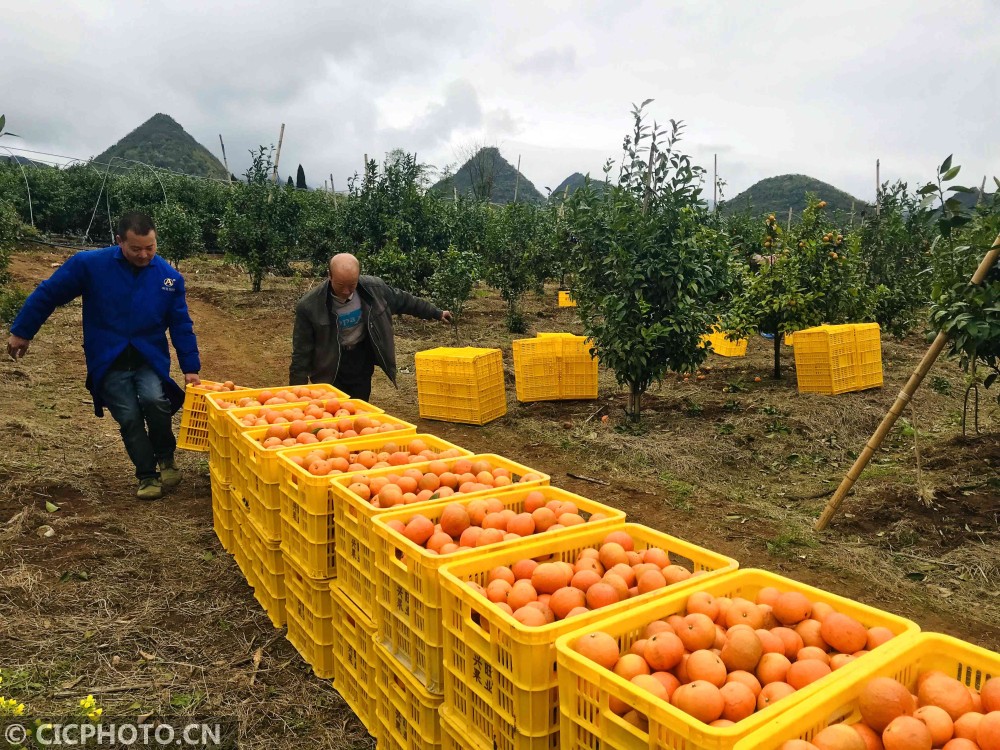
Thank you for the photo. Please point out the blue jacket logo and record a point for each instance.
(168, 282)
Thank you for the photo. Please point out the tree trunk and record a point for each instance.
(256, 279)
(634, 402)
(777, 355)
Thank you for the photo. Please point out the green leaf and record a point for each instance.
(951, 173)
(946, 165)
(3, 120)
(50, 506)
(207, 556)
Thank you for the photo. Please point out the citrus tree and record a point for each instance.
(260, 221)
(510, 256)
(178, 233)
(648, 268)
(811, 276)
(968, 313)
(453, 280)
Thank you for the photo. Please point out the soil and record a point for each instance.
(140, 597)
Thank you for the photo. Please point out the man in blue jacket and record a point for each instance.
(131, 298)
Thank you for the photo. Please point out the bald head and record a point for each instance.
(344, 273)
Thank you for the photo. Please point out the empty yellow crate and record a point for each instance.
(868, 338)
(907, 660)
(724, 347)
(461, 384)
(409, 592)
(356, 538)
(500, 676)
(566, 299)
(553, 367)
(311, 602)
(826, 359)
(354, 658)
(316, 655)
(406, 715)
(585, 687)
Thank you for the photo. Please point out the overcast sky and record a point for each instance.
(771, 87)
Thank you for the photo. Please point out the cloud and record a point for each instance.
(548, 61)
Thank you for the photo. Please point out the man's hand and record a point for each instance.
(191, 378)
(17, 347)
(447, 317)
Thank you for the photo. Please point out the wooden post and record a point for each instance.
(517, 177)
(277, 156)
(901, 401)
(715, 181)
(225, 162)
(789, 221)
(325, 189)
(852, 214)
(878, 185)
(332, 190)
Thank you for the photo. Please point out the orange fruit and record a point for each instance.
(745, 678)
(547, 578)
(773, 692)
(630, 665)
(812, 652)
(651, 580)
(611, 554)
(869, 736)
(773, 668)
(706, 666)
(700, 699)
(990, 695)
(806, 672)
(524, 568)
(698, 632)
(663, 651)
(907, 733)
(883, 699)
(565, 600)
(838, 737)
(419, 529)
(602, 594)
(599, 647)
(795, 744)
(742, 650)
(877, 636)
(530, 617)
(941, 727)
(844, 633)
(809, 630)
(988, 734)
(701, 602)
(791, 608)
(947, 693)
(521, 594)
(792, 641)
(739, 701)
(622, 538)
(961, 744)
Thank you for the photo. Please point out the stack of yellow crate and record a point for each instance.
(461, 384)
(723, 346)
(555, 367)
(838, 359)
(566, 298)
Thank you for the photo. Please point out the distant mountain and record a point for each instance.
(162, 142)
(778, 194)
(488, 176)
(23, 161)
(575, 181)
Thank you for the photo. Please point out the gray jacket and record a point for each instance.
(316, 340)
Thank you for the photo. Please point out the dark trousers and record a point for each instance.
(138, 404)
(357, 366)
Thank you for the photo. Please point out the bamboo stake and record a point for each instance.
(789, 219)
(277, 156)
(229, 175)
(715, 181)
(901, 400)
(878, 185)
(517, 177)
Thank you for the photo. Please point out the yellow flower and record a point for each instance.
(95, 715)
(88, 702)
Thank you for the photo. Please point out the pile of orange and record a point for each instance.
(219, 387)
(268, 398)
(339, 459)
(485, 521)
(726, 658)
(943, 713)
(538, 593)
(315, 409)
(439, 479)
(301, 432)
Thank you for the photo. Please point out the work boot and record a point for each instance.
(170, 475)
(149, 489)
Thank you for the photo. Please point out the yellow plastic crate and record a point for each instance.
(409, 591)
(500, 676)
(218, 454)
(924, 652)
(316, 655)
(356, 539)
(726, 348)
(406, 715)
(566, 299)
(584, 687)
(241, 543)
(222, 514)
(578, 369)
(826, 359)
(461, 384)
(789, 339)
(536, 368)
(262, 503)
(868, 340)
(254, 458)
(311, 536)
(311, 602)
(312, 493)
(230, 421)
(455, 735)
(264, 557)
(193, 433)
(354, 658)
(217, 413)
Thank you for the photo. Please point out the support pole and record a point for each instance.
(878, 185)
(517, 177)
(277, 156)
(715, 182)
(225, 161)
(902, 400)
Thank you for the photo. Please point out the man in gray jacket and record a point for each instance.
(343, 328)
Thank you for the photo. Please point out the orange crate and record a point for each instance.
(268, 572)
(409, 593)
(724, 347)
(585, 688)
(231, 420)
(254, 458)
(312, 493)
(868, 340)
(217, 414)
(463, 385)
(311, 602)
(406, 715)
(193, 432)
(536, 368)
(455, 735)
(578, 369)
(500, 676)
(910, 658)
(354, 658)
(316, 655)
(356, 539)
(826, 359)
(566, 298)
(307, 508)
(222, 514)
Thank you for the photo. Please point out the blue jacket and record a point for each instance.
(120, 307)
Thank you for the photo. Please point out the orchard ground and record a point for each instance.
(141, 598)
